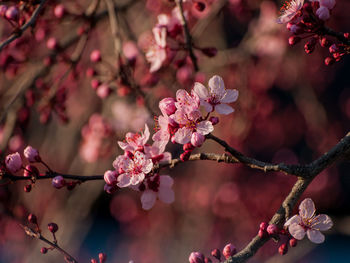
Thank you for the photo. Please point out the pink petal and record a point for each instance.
(230, 96)
(166, 195)
(147, 166)
(201, 91)
(125, 146)
(137, 178)
(322, 222)
(123, 180)
(293, 220)
(207, 106)
(183, 135)
(166, 157)
(166, 181)
(307, 208)
(224, 109)
(146, 135)
(315, 236)
(217, 86)
(297, 231)
(148, 199)
(205, 127)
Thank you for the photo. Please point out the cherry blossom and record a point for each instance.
(163, 192)
(217, 96)
(156, 55)
(13, 162)
(132, 170)
(290, 10)
(31, 154)
(308, 223)
(135, 140)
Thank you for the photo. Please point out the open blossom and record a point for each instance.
(31, 154)
(290, 10)
(133, 141)
(308, 223)
(13, 162)
(164, 192)
(132, 171)
(217, 96)
(156, 55)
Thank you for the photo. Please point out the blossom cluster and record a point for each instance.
(181, 122)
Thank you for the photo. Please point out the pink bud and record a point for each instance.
(262, 233)
(333, 48)
(90, 72)
(110, 177)
(30, 171)
(58, 182)
(272, 229)
(263, 226)
(12, 13)
(102, 257)
(293, 40)
(103, 91)
(27, 188)
(130, 50)
(214, 120)
(3, 9)
(196, 257)
(95, 56)
(197, 139)
(283, 249)
(293, 242)
(95, 83)
(323, 13)
(327, 3)
(216, 254)
(52, 43)
(188, 147)
(59, 11)
(329, 61)
(52, 227)
(43, 250)
(185, 156)
(32, 219)
(13, 162)
(167, 106)
(109, 188)
(93, 260)
(207, 260)
(31, 154)
(229, 250)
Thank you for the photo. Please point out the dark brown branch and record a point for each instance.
(188, 37)
(338, 35)
(35, 234)
(30, 23)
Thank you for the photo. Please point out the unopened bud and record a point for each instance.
(43, 250)
(293, 40)
(95, 56)
(52, 227)
(58, 182)
(12, 13)
(59, 11)
(27, 188)
(185, 156)
(32, 219)
(283, 249)
(272, 229)
(188, 147)
(329, 61)
(102, 257)
(196, 257)
(216, 254)
(30, 170)
(263, 226)
(52, 43)
(229, 250)
(214, 120)
(293, 242)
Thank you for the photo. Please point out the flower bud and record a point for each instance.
(59, 11)
(293, 40)
(196, 257)
(52, 43)
(31, 170)
(58, 182)
(3, 9)
(31, 154)
(197, 139)
(333, 48)
(293, 242)
(103, 91)
(43, 250)
(324, 42)
(263, 226)
(329, 61)
(102, 257)
(323, 13)
(109, 189)
(310, 46)
(214, 120)
(262, 233)
(90, 72)
(32, 219)
(27, 188)
(95, 56)
(283, 249)
(110, 177)
(327, 3)
(12, 13)
(95, 83)
(52, 227)
(185, 156)
(272, 229)
(188, 147)
(346, 35)
(216, 254)
(13, 162)
(229, 250)
(207, 260)
(167, 106)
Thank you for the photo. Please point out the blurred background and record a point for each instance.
(291, 108)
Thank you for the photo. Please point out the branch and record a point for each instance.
(30, 23)
(341, 149)
(188, 37)
(339, 35)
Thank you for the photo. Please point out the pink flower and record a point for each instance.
(164, 192)
(229, 250)
(132, 171)
(216, 97)
(307, 222)
(31, 154)
(196, 257)
(166, 126)
(167, 106)
(135, 140)
(187, 102)
(157, 53)
(156, 152)
(191, 125)
(323, 13)
(290, 10)
(13, 162)
(110, 177)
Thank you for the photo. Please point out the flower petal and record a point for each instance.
(123, 180)
(322, 222)
(297, 231)
(147, 167)
(293, 220)
(315, 236)
(183, 135)
(146, 135)
(148, 199)
(207, 106)
(166, 195)
(201, 91)
(166, 181)
(137, 178)
(231, 95)
(307, 208)
(205, 127)
(224, 109)
(217, 86)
